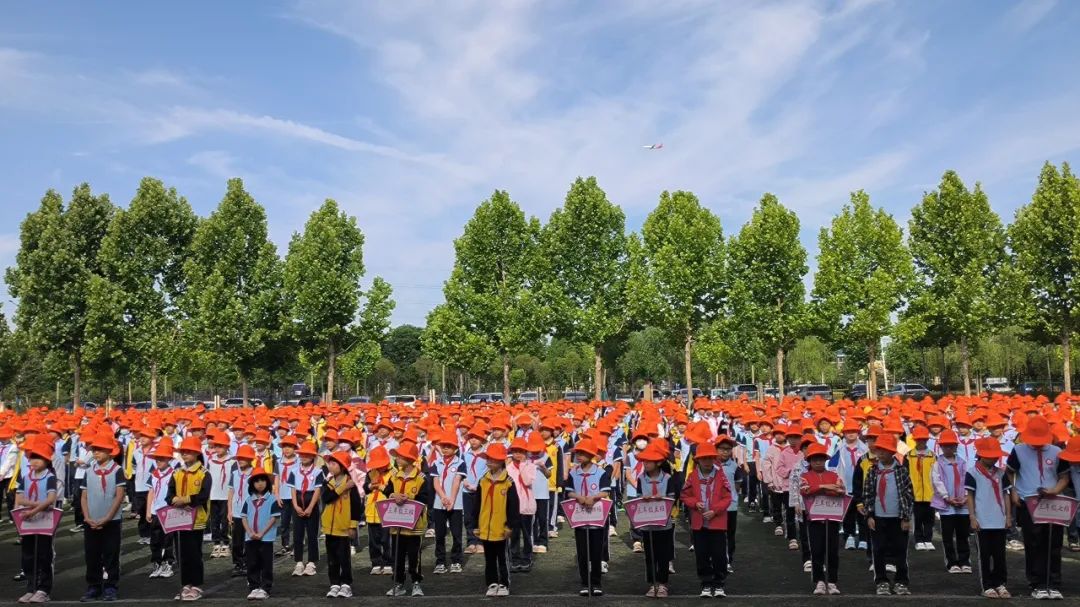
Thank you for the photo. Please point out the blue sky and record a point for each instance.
(411, 113)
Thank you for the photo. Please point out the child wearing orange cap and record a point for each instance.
(950, 502)
(888, 500)
(659, 541)
(823, 536)
(238, 493)
(340, 516)
(378, 465)
(735, 473)
(475, 467)
(408, 483)
(219, 466)
(36, 493)
(447, 473)
(102, 496)
(157, 486)
(707, 496)
(587, 483)
(286, 464)
(537, 454)
(988, 489)
(496, 513)
(189, 487)
(523, 472)
(306, 482)
(920, 462)
(261, 515)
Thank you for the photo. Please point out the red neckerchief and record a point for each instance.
(994, 482)
(655, 483)
(708, 485)
(102, 473)
(1038, 452)
(159, 476)
(585, 476)
(919, 463)
(882, 484)
(307, 477)
(32, 490)
(221, 463)
(258, 502)
(852, 451)
(446, 468)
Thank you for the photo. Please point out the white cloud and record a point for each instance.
(215, 162)
(1026, 14)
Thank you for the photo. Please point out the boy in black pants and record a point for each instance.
(889, 499)
(260, 518)
(587, 484)
(101, 497)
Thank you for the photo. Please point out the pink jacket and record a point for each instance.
(523, 474)
(785, 463)
(768, 465)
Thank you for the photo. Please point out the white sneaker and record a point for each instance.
(807, 567)
(863, 545)
(492, 590)
(850, 543)
(254, 594)
(767, 519)
(919, 546)
(502, 591)
(387, 570)
(603, 567)
(157, 571)
(374, 571)
(166, 571)
(298, 570)
(309, 569)
(671, 567)
(965, 569)
(455, 568)
(333, 593)
(821, 589)
(611, 532)
(345, 592)
(955, 569)
(890, 568)
(639, 547)
(40, 597)
(429, 533)
(929, 546)
(1056, 595)
(719, 593)
(833, 589)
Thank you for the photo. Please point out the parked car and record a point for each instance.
(401, 399)
(772, 393)
(718, 393)
(528, 397)
(299, 390)
(625, 398)
(740, 390)
(811, 391)
(916, 391)
(680, 394)
(574, 396)
(997, 385)
(856, 392)
(1036, 388)
(657, 394)
(485, 397)
(358, 400)
(188, 404)
(455, 399)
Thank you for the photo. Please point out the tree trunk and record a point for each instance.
(76, 391)
(461, 384)
(1066, 362)
(153, 384)
(687, 349)
(780, 373)
(965, 365)
(647, 391)
(506, 379)
(871, 384)
(330, 372)
(444, 380)
(244, 389)
(598, 370)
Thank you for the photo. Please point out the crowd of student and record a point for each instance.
(268, 483)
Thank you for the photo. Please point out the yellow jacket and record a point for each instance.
(371, 513)
(413, 486)
(497, 509)
(342, 508)
(192, 482)
(920, 468)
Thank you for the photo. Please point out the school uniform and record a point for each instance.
(659, 540)
(9, 461)
(889, 499)
(858, 477)
(282, 487)
(37, 555)
(446, 472)
(735, 474)
(238, 494)
(845, 461)
(537, 527)
(521, 539)
(823, 536)
(475, 468)
(710, 538)
(589, 541)
(378, 538)
(949, 480)
(192, 482)
(413, 486)
(141, 464)
(556, 464)
(990, 491)
(101, 546)
(258, 511)
(1033, 468)
(342, 511)
(161, 544)
(920, 467)
(219, 469)
(495, 511)
(304, 480)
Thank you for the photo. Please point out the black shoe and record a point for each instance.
(584, 592)
(239, 572)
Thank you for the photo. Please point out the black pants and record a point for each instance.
(378, 545)
(287, 516)
(659, 551)
(495, 566)
(732, 527)
(589, 542)
(408, 549)
(468, 501)
(259, 556)
(777, 502)
(439, 520)
(890, 546)
(804, 538)
(540, 523)
(37, 562)
(710, 552)
(191, 557)
(237, 549)
(521, 541)
(161, 544)
(138, 506)
(955, 530)
(7, 496)
(854, 524)
(219, 522)
(306, 529)
(791, 530)
(991, 556)
(924, 522)
(338, 561)
(824, 550)
(76, 505)
(102, 552)
(1042, 552)
(752, 484)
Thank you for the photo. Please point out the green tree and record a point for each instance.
(1045, 240)
(677, 270)
(864, 273)
(10, 356)
(322, 277)
(766, 266)
(237, 311)
(142, 260)
(358, 360)
(647, 356)
(958, 246)
(494, 286)
(585, 246)
(446, 339)
(57, 259)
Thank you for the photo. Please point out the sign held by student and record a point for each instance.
(580, 516)
(44, 523)
(400, 516)
(649, 512)
(1053, 510)
(827, 507)
(176, 519)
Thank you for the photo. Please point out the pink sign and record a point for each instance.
(176, 519)
(44, 523)
(827, 507)
(401, 516)
(649, 512)
(580, 516)
(1055, 510)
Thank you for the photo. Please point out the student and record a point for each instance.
(102, 496)
(734, 473)
(306, 482)
(950, 501)
(655, 484)
(219, 466)
(540, 490)
(920, 463)
(556, 458)
(261, 515)
(342, 511)
(988, 489)
(888, 502)
(587, 484)
(378, 465)
(238, 492)
(496, 514)
(189, 487)
(36, 492)
(139, 448)
(707, 496)
(523, 472)
(632, 469)
(784, 465)
(407, 483)
(845, 461)
(1035, 469)
(823, 536)
(475, 466)
(157, 487)
(447, 475)
(286, 465)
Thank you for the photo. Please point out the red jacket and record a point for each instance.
(812, 481)
(719, 498)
